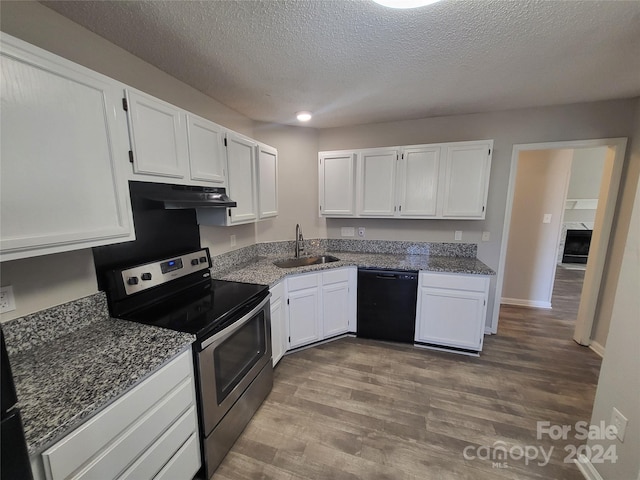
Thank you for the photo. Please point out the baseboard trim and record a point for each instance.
(525, 303)
(596, 347)
(587, 469)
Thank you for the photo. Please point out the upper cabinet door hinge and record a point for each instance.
(225, 141)
(288, 304)
(483, 208)
(489, 151)
(125, 105)
(131, 156)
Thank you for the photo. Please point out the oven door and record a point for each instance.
(230, 360)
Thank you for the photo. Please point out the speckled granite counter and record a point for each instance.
(71, 361)
(262, 270)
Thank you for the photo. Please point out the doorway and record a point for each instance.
(615, 151)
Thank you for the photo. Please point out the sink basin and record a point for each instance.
(304, 261)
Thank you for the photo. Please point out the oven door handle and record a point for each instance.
(236, 325)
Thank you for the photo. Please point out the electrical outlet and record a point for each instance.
(620, 422)
(486, 236)
(348, 232)
(361, 232)
(7, 302)
(233, 240)
(458, 235)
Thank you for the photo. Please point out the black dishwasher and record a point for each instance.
(387, 304)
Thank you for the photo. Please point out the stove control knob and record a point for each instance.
(203, 259)
(145, 276)
(132, 280)
(194, 261)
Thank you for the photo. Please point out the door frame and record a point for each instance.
(599, 242)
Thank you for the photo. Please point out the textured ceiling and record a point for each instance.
(355, 62)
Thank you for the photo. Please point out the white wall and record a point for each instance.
(542, 180)
(534, 125)
(619, 383)
(586, 173)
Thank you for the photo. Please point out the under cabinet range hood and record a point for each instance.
(175, 197)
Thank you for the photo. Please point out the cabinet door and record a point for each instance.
(337, 198)
(304, 317)
(241, 164)
(335, 309)
(267, 181)
(376, 183)
(278, 323)
(63, 146)
(207, 157)
(466, 180)
(451, 317)
(418, 181)
(158, 137)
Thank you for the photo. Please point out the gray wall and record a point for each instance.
(541, 184)
(535, 125)
(619, 383)
(586, 173)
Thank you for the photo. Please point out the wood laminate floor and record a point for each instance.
(359, 409)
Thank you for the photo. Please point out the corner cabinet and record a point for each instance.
(64, 155)
(337, 184)
(438, 181)
(451, 310)
(150, 432)
(267, 181)
(321, 305)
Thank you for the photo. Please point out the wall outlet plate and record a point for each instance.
(546, 218)
(232, 240)
(458, 235)
(486, 236)
(620, 422)
(361, 232)
(348, 232)
(7, 301)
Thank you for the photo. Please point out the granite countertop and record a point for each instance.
(262, 270)
(82, 367)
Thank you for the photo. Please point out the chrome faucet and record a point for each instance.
(299, 241)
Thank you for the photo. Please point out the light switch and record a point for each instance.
(546, 218)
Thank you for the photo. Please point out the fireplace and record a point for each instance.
(576, 247)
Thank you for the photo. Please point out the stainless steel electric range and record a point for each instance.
(232, 325)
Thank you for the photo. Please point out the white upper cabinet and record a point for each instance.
(207, 157)
(466, 183)
(376, 182)
(242, 181)
(267, 181)
(337, 186)
(418, 177)
(447, 180)
(158, 138)
(64, 153)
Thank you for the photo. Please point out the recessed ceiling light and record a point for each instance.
(405, 3)
(303, 116)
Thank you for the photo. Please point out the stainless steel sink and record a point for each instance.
(304, 261)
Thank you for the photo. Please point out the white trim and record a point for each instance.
(487, 331)
(586, 468)
(584, 323)
(447, 350)
(596, 347)
(525, 303)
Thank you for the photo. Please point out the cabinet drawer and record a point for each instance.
(184, 464)
(335, 276)
(120, 431)
(473, 283)
(152, 461)
(301, 282)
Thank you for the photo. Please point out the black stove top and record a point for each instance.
(202, 310)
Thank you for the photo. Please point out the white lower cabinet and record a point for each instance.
(278, 322)
(151, 432)
(321, 305)
(451, 310)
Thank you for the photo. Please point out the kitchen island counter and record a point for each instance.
(71, 361)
